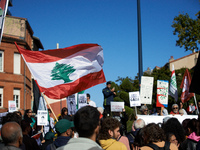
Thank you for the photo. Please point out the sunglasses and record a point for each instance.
(145, 110)
(175, 108)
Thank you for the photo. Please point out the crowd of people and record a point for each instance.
(88, 129)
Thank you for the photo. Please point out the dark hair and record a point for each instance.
(168, 136)
(109, 82)
(153, 133)
(64, 109)
(108, 124)
(173, 125)
(88, 95)
(26, 116)
(11, 117)
(139, 140)
(193, 125)
(24, 125)
(86, 121)
(11, 137)
(184, 124)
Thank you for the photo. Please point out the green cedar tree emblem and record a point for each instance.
(62, 72)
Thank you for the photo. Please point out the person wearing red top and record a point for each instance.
(174, 109)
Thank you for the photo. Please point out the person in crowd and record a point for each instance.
(49, 138)
(184, 125)
(122, 118)
(144, 110)
(11, 134)
(87, 124)
(198, 106)
(154, 136)
(139, 140)
(137, 124)
(108, 97)
(124, 140)
(28, 116)
(89, 101)
(173, 126)
(174, 109)
(170, 137)
(181, 109)
(191, 109)
(30, 143)
(160, 111)
(193, 129)
(65, 133)
(109, 134)
(64, 114)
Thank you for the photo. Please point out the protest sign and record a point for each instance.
(42, 117)
(134, 98)
(117, 106)
(162, 93)
(12, 106)
(71, 104)
(82, 100)
(146, 90)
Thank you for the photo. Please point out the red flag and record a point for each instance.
(63, 72)
(185, 84)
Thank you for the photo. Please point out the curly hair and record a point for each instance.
(173, 126)
(153, 133)
(11, 117)
(108, 124)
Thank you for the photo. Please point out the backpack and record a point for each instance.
(155, 147)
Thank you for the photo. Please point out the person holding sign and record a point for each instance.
(108, 97)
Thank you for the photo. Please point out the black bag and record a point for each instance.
(155, 147)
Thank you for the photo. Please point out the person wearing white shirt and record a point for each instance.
(90, 102)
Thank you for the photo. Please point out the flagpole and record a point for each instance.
(49, 106)
(196, 103)
(57, 46)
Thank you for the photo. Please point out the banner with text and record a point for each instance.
(162, 93)
(117, 106)
(134, 98)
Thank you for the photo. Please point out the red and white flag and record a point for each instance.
(185, 84)
(63, 72)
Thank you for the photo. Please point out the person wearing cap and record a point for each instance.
(108, 97)
(65, 133)
(49, 137)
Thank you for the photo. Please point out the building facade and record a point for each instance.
(15, 77)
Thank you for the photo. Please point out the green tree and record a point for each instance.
(62, 72)
(188, 31)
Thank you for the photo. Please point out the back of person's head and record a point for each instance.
(11, 117)
(25, 125)
(86, 121)
(153, 133)
(138, 124)
(184, 124)
(174, 126)
(11, 133)
(192, 126)
(139, 138)
(108, 124)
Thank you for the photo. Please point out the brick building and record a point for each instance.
(15, 77)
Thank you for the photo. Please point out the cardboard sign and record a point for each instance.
(117, 106)
(12, 106)
(82, 100)
(162, 93)
(71, 104)
(146, 90)
(42, 117)
(134, 98)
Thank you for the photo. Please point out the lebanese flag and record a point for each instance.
(63, 72)
(185, 84)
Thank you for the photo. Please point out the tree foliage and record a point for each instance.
(188, 31)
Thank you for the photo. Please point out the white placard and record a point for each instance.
(162, 93)
(82, 100)
(117, 106)
(12, 106)
(42, 117)
(146, 90)
(71, 104)
(134, 98)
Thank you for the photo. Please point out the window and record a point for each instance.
(1, 61)
(17, 64)
(1, 97)
(16, 97)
